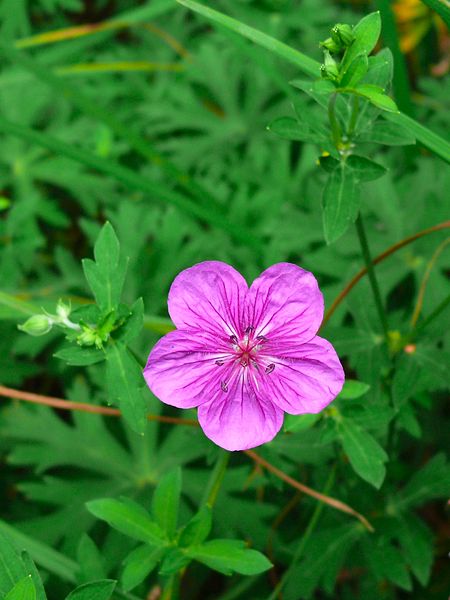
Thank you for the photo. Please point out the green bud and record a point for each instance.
(330, 45)
(87, 337)
(342, 35)
(329, 70)
(37, 325)
(63, 310)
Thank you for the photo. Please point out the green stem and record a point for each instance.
(307, 534)
(171, 590)
(354, 116)
(371, 274)
(334, 123)
(215, 481)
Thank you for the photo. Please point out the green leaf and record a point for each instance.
(416, 541)
(230, 556)
(138, 564)
(133, 325)
(95, 590)
(124, 379)
(23, 590)
(35, 576)
(197, 529)
(430, 482)
(364, 168)
(355, 71)
(166, 500)
(353, 389)
(299, 422)
(76, 356)
(90, 561)
(442, 8)
(174, 560)
(390, 134)
(106, 275)
(376, 96)
(129, 518)
(366, 33)
(340, 202)
(365, 454)
(291, 129)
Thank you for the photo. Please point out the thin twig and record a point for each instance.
(337, 504)
(424, 282)
(391, 250)
(114, 412)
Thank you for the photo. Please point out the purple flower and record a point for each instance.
(244, 355)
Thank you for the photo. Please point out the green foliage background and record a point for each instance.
(192, 144)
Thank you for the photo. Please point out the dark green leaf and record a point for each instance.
(340, 202)
(96, 590)
(364, 168)
(198, 528)
(390, 134)
(174, 560)
(166, 499)
(365, 454)
(430, 482)
(77, 356)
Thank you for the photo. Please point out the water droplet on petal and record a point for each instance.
(270, 368)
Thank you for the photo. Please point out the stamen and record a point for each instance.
(224, 386)
(233, 339)
(262, 338)
(220, 362)
(244, 362)
(249, 330)
(270, 368)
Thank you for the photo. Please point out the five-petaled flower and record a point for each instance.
(242, 355)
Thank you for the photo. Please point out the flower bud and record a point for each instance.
(342, 35)
(63, 310)
(330, 45)
(37, 325)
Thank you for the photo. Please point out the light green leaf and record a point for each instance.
(166, 499)
(355, 71)
(340, 202)
(230, 556)
(353, 389)
(365, 454)
(95, 590)
(138, 564)
(299, 422)
(366, 32)
(129, 518)
(23, 590)
(376, 96)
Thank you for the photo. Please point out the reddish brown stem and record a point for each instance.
(337, 504)
(114, 412)
(351, 284)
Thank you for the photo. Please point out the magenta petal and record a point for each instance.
(208, 296)
(285, 302)
(306, 378)
(238, 419)
(181, 369)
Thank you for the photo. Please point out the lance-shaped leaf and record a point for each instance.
(166, 500)
(366, 32)
(95, 590)
(23, 590)
(230, 556)
(340, 202)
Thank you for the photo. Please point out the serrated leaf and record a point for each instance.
(365, 454)
(138, 564)
(230, 556)
(95, 590)
(23, 590)
(166, 499)
(129, 518)
(340, 202)
(124, 379)
(353, 389)
(198, 528)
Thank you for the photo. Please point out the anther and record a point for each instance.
(219, 362)
(224, 386)
(270, 368)
(233, 339)
(249, 330)
(244, 362)
(261, 338)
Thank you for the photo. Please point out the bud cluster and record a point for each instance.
(342, 37)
